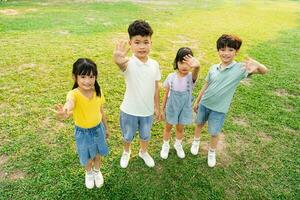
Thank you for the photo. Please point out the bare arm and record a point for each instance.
(196, 104)
(120, 55)
(156, 100)
(255, 67)
(104, 120)
(164, 102)
(66, 110)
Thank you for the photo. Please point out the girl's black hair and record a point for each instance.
(183, 51)
(85, 66)
(231, 41)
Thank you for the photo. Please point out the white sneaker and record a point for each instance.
(179, 150)
(211, 158)
(195, 147)
(147, 159)
(125, 159)
(98, 178)
(164, 153)
(89, 179)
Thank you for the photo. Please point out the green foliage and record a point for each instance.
(40, 40)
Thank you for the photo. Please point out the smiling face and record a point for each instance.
(227, 55)
(140, 46)
(86, 82)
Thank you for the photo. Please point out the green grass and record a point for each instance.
(259, 158)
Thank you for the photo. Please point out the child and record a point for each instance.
(85, 103)
(216, 94)
(177, 101)
(141, 98)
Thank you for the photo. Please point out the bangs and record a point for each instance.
(86, 69)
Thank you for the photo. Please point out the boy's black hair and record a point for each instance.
(183, 51)
(139, 27)
(231, 41)
(85, 66)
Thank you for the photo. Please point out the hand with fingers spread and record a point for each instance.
(191, 61)
(120, 55)
(254, 67)
(61, 112)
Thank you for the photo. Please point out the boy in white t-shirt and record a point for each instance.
(141, 99)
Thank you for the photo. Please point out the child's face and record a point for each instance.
(227, 55)
(140, 46)
(86, 82)
(183, 68)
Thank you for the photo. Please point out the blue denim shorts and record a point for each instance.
(90, 142)
(179, 108)
(215, 119)
(130, 124)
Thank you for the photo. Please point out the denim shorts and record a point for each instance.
(90, 142)
(215, 119)
(130, 124)
(179, 108)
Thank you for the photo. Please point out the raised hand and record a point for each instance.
(61, 112)
(120, 54)
(251, 65)
(191, 61)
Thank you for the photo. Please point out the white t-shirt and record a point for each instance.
(140, 87)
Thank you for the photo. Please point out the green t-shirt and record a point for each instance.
(222, 84)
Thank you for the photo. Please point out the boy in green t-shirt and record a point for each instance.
(216, 94)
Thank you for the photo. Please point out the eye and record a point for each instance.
(82, 76)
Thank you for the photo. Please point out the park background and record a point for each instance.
(258, 155)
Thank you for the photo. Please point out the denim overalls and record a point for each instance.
(179, 104)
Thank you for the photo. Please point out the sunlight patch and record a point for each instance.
(63, 32)
(9, 12)
(246, 81)
(241, 121)
(222, 156)
(282, 93)
(264, 137)
(16, 175)
(3, 160)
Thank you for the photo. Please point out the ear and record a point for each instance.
(129, 42)
(73, 77)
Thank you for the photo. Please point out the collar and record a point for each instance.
(227, 67)
(139, 62)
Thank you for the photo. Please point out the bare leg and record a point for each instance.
(179, 131)
(198, 130)
(97, 162)
(214, 142)
(127, 146)
(167, 132)
(89, 165)
(144, 145)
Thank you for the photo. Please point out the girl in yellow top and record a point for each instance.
(85, 103)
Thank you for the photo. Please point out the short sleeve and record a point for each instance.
(167, 81)
(71, 96)
(244, 72)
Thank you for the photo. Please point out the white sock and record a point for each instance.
(178, 141)
(89, 172)
(166, 142)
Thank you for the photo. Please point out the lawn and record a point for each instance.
(258, 155)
